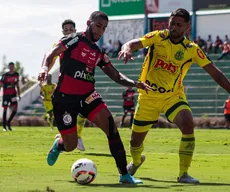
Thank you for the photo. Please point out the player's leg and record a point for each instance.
(96, 111)
(123, 117)
(145, 116)
(180, 114)
(65, 115)
(5, 103)
(14, 109)
(80, 125)
(50, 119)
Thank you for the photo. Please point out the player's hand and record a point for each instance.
(144, 86)
(42, 76)
(127, 54)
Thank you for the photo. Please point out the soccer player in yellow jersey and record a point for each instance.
(46, 93)
(68, 27)
(169, 57)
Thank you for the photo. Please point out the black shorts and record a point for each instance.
(227, 117)
(128, 109)
(66, 108)
(9, 100)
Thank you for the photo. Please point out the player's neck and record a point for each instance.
(176, 40)
(11, 72)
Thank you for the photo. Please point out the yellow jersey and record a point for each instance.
(47, 91)
(167, 63)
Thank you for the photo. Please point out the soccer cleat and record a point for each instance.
(80, 144)
(185, 178)
(4, 129)
(128, 179)
(57, 136)
(53, 153)
(131, 168)
(9, 127)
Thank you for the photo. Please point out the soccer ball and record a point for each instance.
(84, 171)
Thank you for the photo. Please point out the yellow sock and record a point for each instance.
(80, 124)
(136, 154)
(186, 150)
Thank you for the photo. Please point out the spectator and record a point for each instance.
(116, 48)
(227, 39)
(227, 112)
(209, 44)
(217, 44)
(202, 43)
(108, 47)
(226, 50)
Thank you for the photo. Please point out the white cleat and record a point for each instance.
(131, 168)
(4, 129)
(57, 136)
(80, 144)
(185, 178)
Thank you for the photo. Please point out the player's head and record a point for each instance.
(49, 78)
(68, 26)
(96, 25)
(179, 23)
(11, 66)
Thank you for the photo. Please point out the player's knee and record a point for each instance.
(187, 127)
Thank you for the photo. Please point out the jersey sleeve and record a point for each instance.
(199, 57)
(2, 79)
(69, 40)
(149, 39)
(105, 61)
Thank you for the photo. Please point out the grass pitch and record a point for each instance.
(23, 164)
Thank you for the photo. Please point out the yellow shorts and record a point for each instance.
(48, 106)
(148, 110)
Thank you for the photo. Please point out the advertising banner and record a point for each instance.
(211, 4)
(121, 7)
(166, 6)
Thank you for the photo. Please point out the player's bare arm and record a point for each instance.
(48, 59)
(18, 90)
(128, 48)
(121, 79)
(218, 76)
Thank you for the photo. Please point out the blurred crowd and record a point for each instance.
(217, 46)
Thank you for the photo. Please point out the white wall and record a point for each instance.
(124, 30)
(213, 25)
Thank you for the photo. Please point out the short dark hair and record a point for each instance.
(68, 21)
(98, 14)
(181, 13)
(10, 63)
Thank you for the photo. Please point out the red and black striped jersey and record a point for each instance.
(9, 81)
(78, 64)
(128, 97)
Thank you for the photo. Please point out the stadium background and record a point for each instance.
(130, 19)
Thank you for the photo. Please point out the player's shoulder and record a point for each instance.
(16, 73)
(157, 34)
(189, 44)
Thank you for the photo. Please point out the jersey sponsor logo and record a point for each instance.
(149, 35)
(83, 54)
(200, 53)
(170, 67)
(92, 97)
(162, 35)
(74, 40)
(83, 75)
(179, 55)
(155, 87)
(67, 119)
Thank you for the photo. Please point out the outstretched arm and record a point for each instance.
(121, 79)
(218, 76)
(128, 48)
(48, 60)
